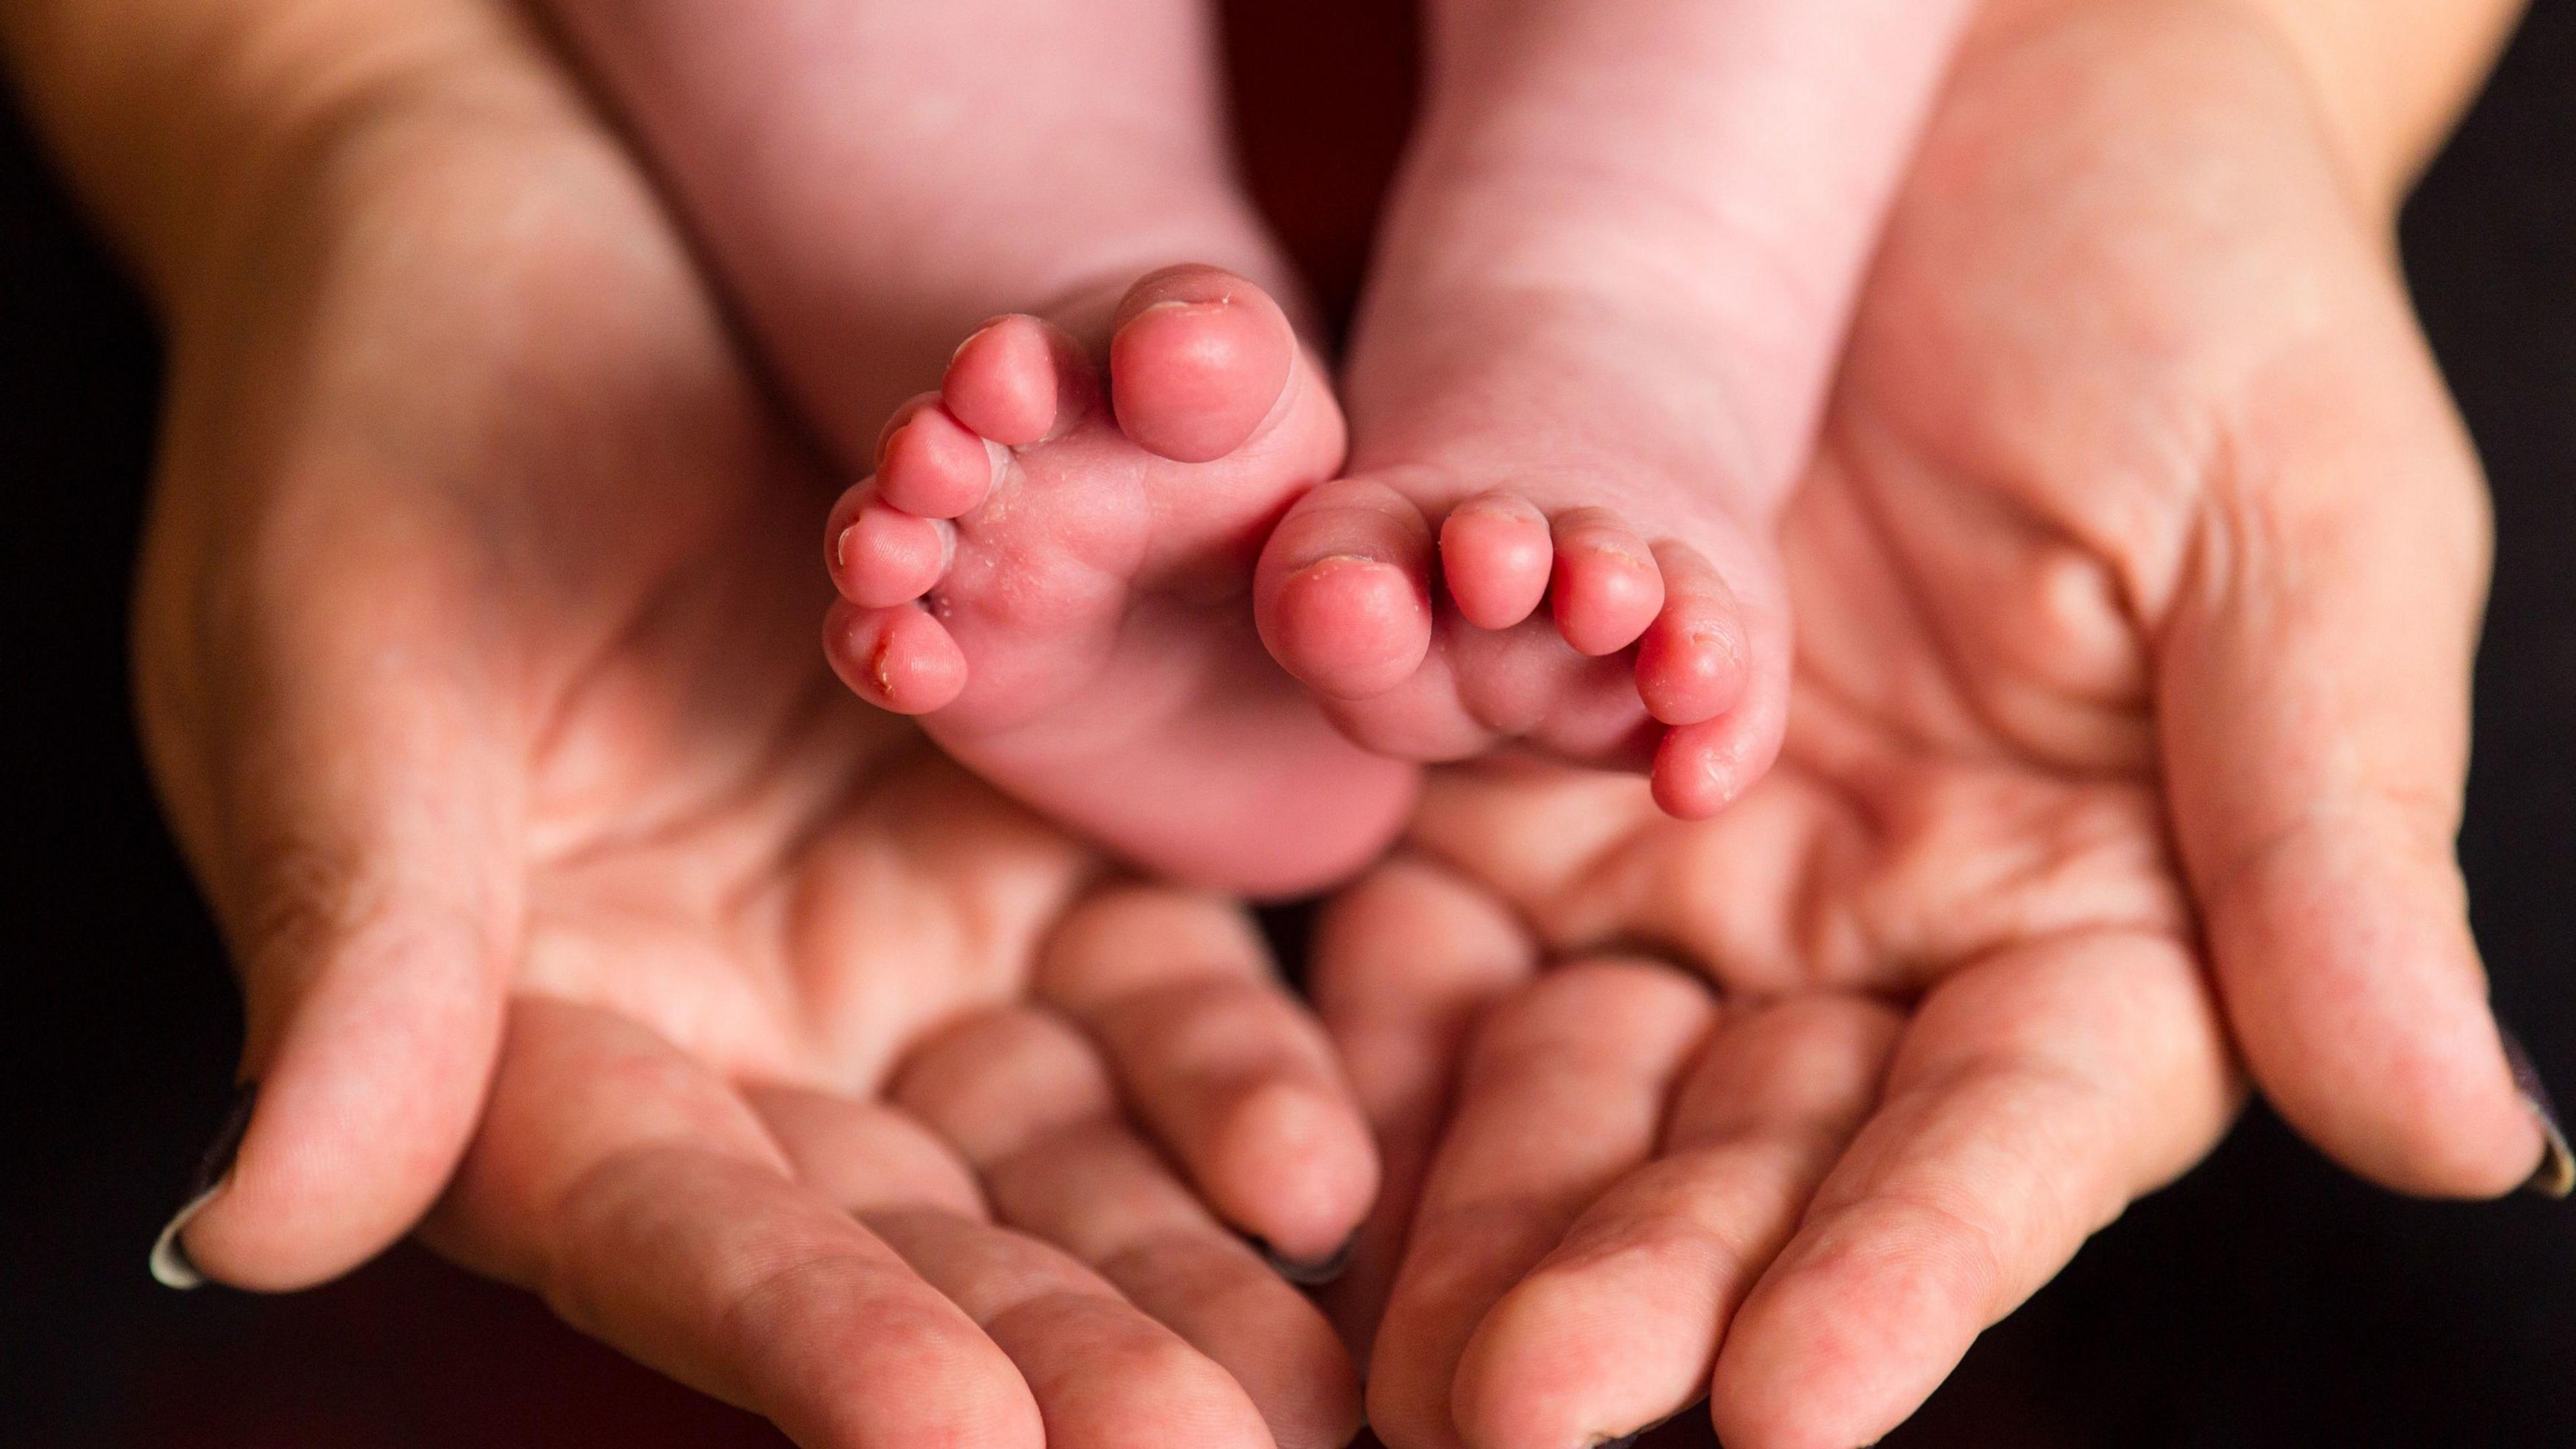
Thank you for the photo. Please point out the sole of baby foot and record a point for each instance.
(1052, 567)
(1439, 621)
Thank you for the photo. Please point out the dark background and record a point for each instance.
(2266, 1300)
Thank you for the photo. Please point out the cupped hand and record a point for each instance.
(989, 1245)
(477, 665)
(2137, 584)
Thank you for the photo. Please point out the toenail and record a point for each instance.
(1722, 640)
(989, 324)
(841, 546)
(1183, 304)
(1718, 768)
(1335, 561)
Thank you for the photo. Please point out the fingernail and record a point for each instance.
(2556, 1175)
(170, 1265)
(1628, 1439)
(1313, 1274)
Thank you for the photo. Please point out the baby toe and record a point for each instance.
(884, 556)
(1342, 595)
(1691, 660)
(1607, 586)
(935, 467)
(1004, 381)
(894, 424)
(1495, 558)
(898, 659)
(1702, 768)
(1198, 360)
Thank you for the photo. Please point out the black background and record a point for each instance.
(2266, 1300)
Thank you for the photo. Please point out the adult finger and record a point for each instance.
(1405, 962)
(642, 1197)
(1563, 1092)
(2316, 679)
(1104, 1375)
(1028, 1102)
(321, 716)
(340, 663)
(860, 1155)
(1215, 1056)
(1618, 1328)
(2033, 1097)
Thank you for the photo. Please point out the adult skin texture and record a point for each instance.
(2138, 576)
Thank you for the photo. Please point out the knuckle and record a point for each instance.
(299, 900)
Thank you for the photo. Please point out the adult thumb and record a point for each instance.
(2314, 682)
(325, 743)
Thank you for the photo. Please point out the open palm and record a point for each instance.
(2136, 584)
(478, 665)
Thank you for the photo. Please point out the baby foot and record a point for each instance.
(1410, 596)
(1605, 302)
(1050, 567)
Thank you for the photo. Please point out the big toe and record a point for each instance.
(1342, 595)
(1198, 360)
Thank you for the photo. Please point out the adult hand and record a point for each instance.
(477, 666)
(2138, 581)
(983, 1247)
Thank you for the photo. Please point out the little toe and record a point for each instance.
(1198, 359)
(1342, 595)
(1700, 769)
(894, 424)
(935, 467)
(884, 556)
(898, 659)
(1607, 586)
(1691, 661)
(1495, 557)
(1003, 381)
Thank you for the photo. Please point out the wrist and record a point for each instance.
(2385, 79)
(184, 124)
(2390, 77)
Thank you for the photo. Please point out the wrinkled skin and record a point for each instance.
(2136, 582)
